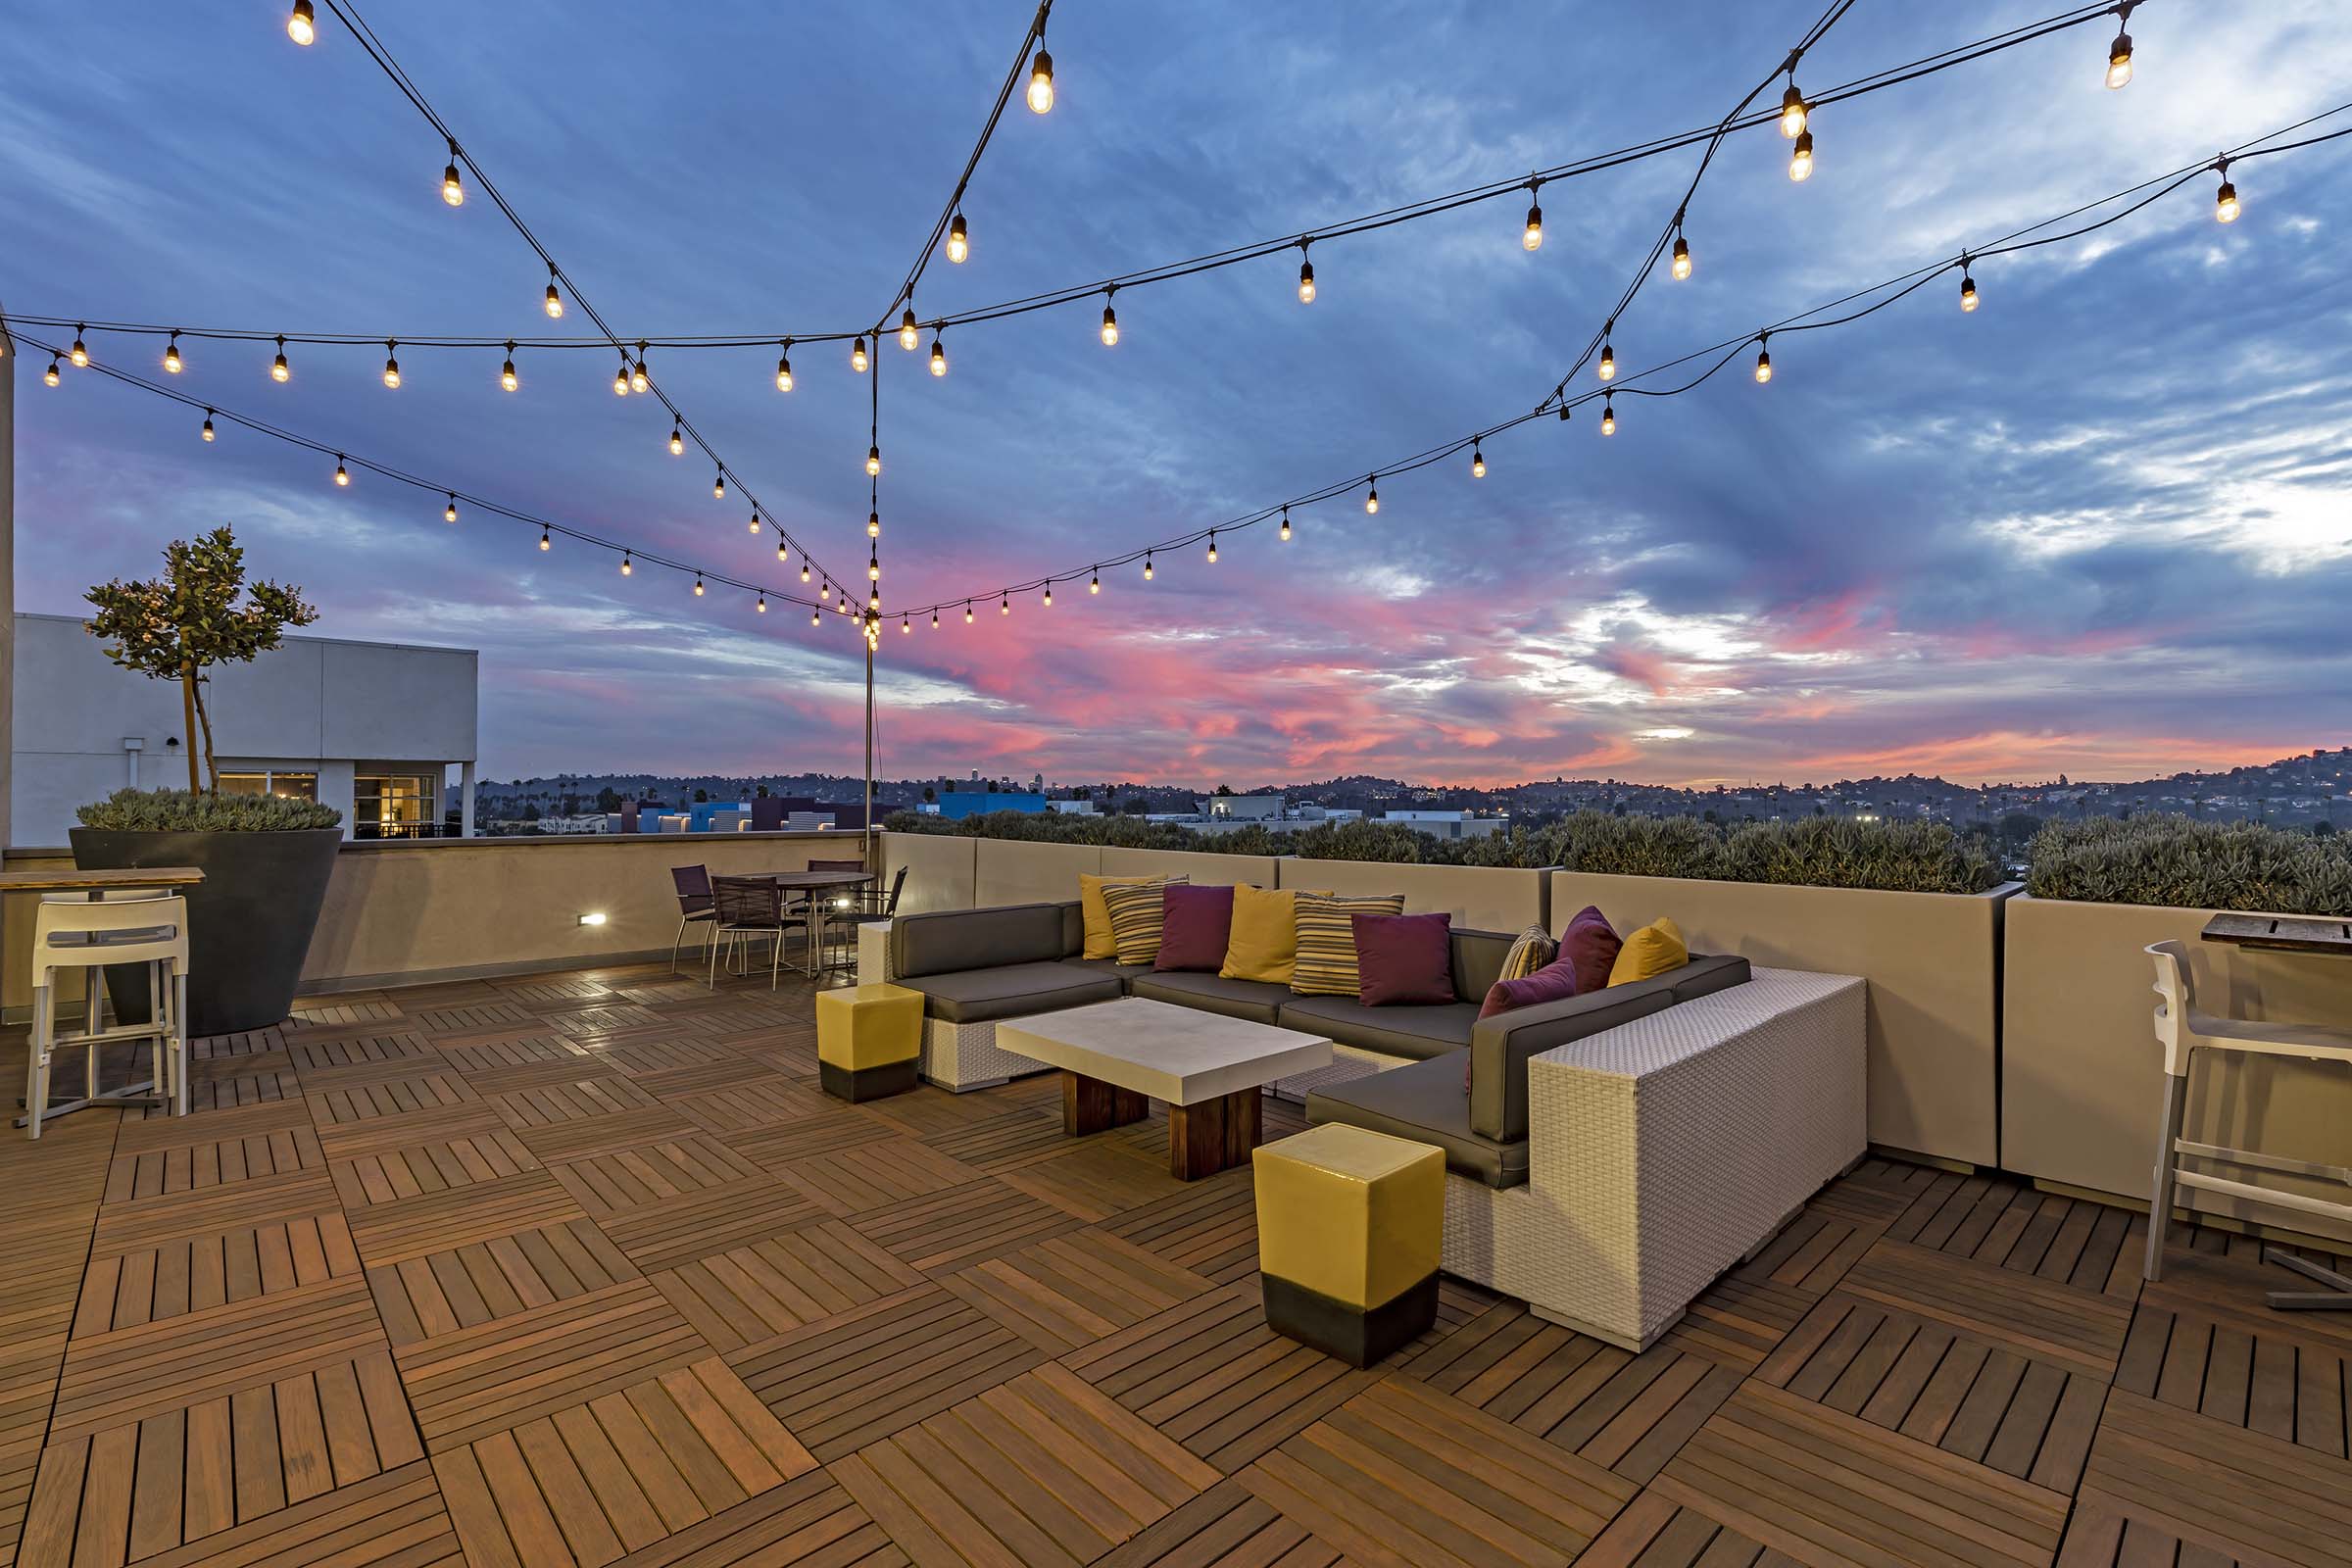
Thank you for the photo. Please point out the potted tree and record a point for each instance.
(265, 860)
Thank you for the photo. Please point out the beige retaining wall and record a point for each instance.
(1931, 960)
(942, 872)
(1205, 868)
(2083, 1081)
(1017, 871)
(1487, 898)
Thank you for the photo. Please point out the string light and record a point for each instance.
(1532, 237)
(171, 355)
(935, 620)
(959, 245)
(753, 526)
(1111, 320)
(1285, 522)
(1608, 369)
(620, 378)
(342, 474)
(698, 585)
(906, 624)
(1147, 566)
(303, 25)
(873, 525)
(1306, 276)
(1212, 547)
(1763, 359)
(1478, 462)
(1372, 495)
(452, 190)
(1800, 161)
(638, 379)
(506, 372)
(77, 354)
(49, 376)
(555, 299)
(803, 567)
(1049, 595)
(939, 357)
(813, 618)
(2119, 53)
(448, 513)
(1793, 111)
(784, 368)
(391, 365)
(627, 565)
(279, 371)
(907, 334)
(1093, 584)
(719, 485)
(545, 543)
(858, 360)
(1005, 604)
(1608, 415)
(761, 607)
(2225, 205)
(1681, 251)
(873, 461)
(208, 424)
(1968, 288)
(1041, 81)
(967, 612)
(678, 442)
(873, 568)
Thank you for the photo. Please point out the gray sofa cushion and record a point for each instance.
(1010, 991)
(1107, 968)
(1478, 962)
(1500, 1046)
(1423, 1100)
(1404, 1031)
(1073, 930)
(947, 941)
(1254, 1000)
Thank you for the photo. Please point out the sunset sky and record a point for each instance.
(2102, 526)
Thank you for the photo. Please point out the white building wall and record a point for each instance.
(314, 704)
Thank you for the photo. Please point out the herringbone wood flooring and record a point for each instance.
(584, 1269)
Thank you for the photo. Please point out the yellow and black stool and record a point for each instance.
(1349, 1223)
(869, 1041)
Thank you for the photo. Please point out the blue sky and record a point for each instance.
(2102, 526)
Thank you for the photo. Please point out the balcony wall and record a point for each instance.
(1931, 960)
(942, 872)
(2083, 1076)
(1487, 897)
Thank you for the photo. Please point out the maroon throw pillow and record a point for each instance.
(1555, 982)
(1195, 926)
(1403, 959)
(1592, 946)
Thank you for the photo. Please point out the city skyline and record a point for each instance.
(2096, 527)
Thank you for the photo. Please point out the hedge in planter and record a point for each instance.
(2184, 863)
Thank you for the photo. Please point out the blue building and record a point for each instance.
(956, 804)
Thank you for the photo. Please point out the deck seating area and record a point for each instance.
(583, 1268)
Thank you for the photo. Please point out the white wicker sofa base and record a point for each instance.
(1664, 1150)
(956, 1057)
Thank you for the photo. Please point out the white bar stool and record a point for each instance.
(2181, 1029)
(73, 932)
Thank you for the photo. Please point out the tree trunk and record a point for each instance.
(187, 692)
(204, 720)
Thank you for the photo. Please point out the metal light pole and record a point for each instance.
(872, 630)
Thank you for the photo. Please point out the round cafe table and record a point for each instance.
(816, 885)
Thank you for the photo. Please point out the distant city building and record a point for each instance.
(956, 805)
(1447, 824)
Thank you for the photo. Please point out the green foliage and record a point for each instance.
(201, 811)
(2177, 862)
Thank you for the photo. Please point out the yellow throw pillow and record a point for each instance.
(1532, 951)
(1265, 941)
(1325, 963)
(1097, 914)
(1650, 953)
(1137, 914)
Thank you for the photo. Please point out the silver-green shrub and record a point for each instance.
(2184, 863)
(186, 812)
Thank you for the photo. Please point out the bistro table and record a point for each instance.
(816, 885)
(98, 883)
(2281, 933)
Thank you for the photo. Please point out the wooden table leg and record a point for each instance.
(1091, 1105)
(1212, 1136)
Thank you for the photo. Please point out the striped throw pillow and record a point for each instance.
(1325, 963)
(1533, 949)
(1137, 912)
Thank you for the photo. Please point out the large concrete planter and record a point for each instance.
(1931, 960)
(942, 872)
(250, 922)
(2083, 1075)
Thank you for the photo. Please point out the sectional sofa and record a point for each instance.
(1612, 1153)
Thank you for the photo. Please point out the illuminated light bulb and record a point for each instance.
(638, 380)
(391, 366)
(1111, 325)
(1763, 363)
(967, 612)
(171, 355)
(959, 245)
(719, 485)
(1607, 370)
(1212, 548)
(2225, 203)
(1532, 237)
(1285, 522)
(873, 525)
(626, 565)
(1306, 282)
(753, 526)
(698, 585)
(303, 25)
(1792, 112)
(453, 189)
(803, 571)
(1372, 495)
(448, 513)
(1093, 584)
(1478, 462)
(1049, 595)
(49, 376)
(1608, 417)
(906, 624)
(873, 461)
(77, 354)
(939, 357)
(342, 474)
(1005, 605)
(620, 378)
(279, 371)
(762, 604)
(1147, 566)
(1800, 162)
(506, 372)
(784, 368)
(907, 335)
(935, 620)
(1968, 290)
(857, 360)
(208, 424)
(2119, 60)
(812, 617)
(555, 299)
(545, 543)
(1041, 82)
(678, 442)
(873, 569)
(1681, 257)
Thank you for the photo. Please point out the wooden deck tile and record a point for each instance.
(1228, 1526)
(526, 1047)
(343, 1104)
(747, 1295)
(483, 1281)
(766, 1100)
(2081, 1329)
(440, 1165)
(1209, 1226)
(649, 1173)
(1017, 1137)
(128, 1286)
(2227, 1490)
(172, 1154)
(808, 1521)
(456, 1216)
(962, 1226)
(880, 1174)
(1071, 1290)
(2013, 1227)
(1098, 1178)
(318, 1058)
(1655, 1531)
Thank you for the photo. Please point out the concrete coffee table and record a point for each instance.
(1207, 1068)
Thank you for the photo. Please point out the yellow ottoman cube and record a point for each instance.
(1350, 1224)
(869, 1041)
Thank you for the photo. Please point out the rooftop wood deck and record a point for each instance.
(582, 1269)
